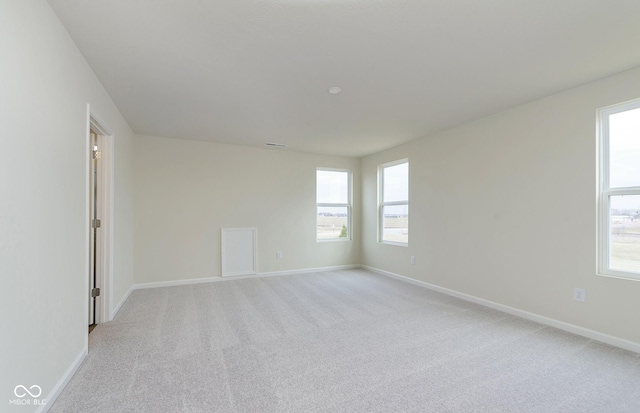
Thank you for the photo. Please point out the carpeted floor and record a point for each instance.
(346, 341)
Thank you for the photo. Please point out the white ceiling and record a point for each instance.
(254, 71)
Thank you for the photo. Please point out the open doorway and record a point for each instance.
(95, 224)
(99, 225)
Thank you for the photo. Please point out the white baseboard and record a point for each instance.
(174, 283)
(308, 270)
(571, 328)
(239, 277)
(62, 383)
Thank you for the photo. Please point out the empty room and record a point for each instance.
(320, 206)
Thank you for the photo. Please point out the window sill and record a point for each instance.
(399, 244)
(620, 276)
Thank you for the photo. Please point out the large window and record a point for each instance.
(620, 190)
(333, 198)
(394, 202)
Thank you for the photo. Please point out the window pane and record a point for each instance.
(332, 187)
(624, 215)
(395, 223)
(624, 149)
(395, 184)
(333, 223)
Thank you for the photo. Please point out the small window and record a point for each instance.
(333, 204)
(394, 202)
(620, 190)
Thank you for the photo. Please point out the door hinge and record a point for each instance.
(95, 292)
(97, 154)
(95, 223)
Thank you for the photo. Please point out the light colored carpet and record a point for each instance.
(347, 341)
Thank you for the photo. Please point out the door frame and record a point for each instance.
(104, 303)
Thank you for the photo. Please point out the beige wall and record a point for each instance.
(504, 209)
(45, 86)
(186, 191)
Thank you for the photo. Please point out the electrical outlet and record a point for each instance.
(579, 294)
(278, 255)
(413, 260)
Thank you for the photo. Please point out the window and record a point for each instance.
(333, 199)
(620, 190)
(394, 202)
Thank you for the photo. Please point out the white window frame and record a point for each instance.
(605, 192)
(382, 204)
(340, 205)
